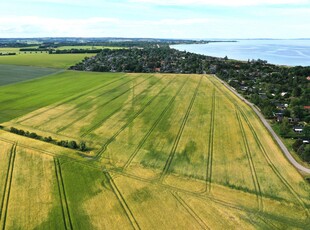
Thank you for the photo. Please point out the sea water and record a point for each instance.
(280, 52)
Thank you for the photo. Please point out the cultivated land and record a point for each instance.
(61, 61)
(165, 152)
(12, 74)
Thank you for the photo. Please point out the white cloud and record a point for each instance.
(223, 2)
(96, 26)
(29, 26)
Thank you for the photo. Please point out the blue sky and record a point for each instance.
(199, 19)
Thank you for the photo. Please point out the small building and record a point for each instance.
(298, 129)
(307, 107)
(293, 119)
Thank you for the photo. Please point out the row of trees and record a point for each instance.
(64, 143)
(75, 51)
(7, 54)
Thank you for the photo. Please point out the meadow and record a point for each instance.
(165, 151)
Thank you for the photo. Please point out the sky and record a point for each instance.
(183, 19)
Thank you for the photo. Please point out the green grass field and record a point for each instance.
(166, 151)
(12, 74)
(88, 47)
(61, 61)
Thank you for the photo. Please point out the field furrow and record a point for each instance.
(179, 134)
(251, 165)
(62, 196)
(7, 188)
(210, 147)
(123, 203)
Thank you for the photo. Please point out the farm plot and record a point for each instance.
(30, 199)
(12, 74)
(167, 151)
(25, 97)
(92, 201)
(61, 61)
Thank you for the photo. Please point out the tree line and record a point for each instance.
(64, 143)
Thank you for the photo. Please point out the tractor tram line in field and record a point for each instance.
(122, 202)
(133, 100)
(111, 139)
(62, 195)
(267, 158)
(190, 211)
(159, 118)
(251, 164)
(210, 146)
(90, 100)
(273, 167)
(179, 134)
(7, 187)
(70, 99)
(100, 105)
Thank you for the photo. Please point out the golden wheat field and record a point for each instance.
(164, 151)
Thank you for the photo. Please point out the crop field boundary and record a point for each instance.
(140, 96)
(7, 187)
(190, 211)
(251, 164)
(159, 118)
(210, 146)
(267, 158)
(111, 139)
(180, 132)
(72, 98)
(62, 196)
(100, 105)
(122, 202)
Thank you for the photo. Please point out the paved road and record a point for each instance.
(275, 136)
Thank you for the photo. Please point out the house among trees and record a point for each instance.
(298, 129)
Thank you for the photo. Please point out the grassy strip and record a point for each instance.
(122, 202)
(111, 139)
(143, 140)
(210, 148)
(251, 164)
(180, 132)
(62, 196)
(7, 187)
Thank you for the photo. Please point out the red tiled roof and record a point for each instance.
(307, 107)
